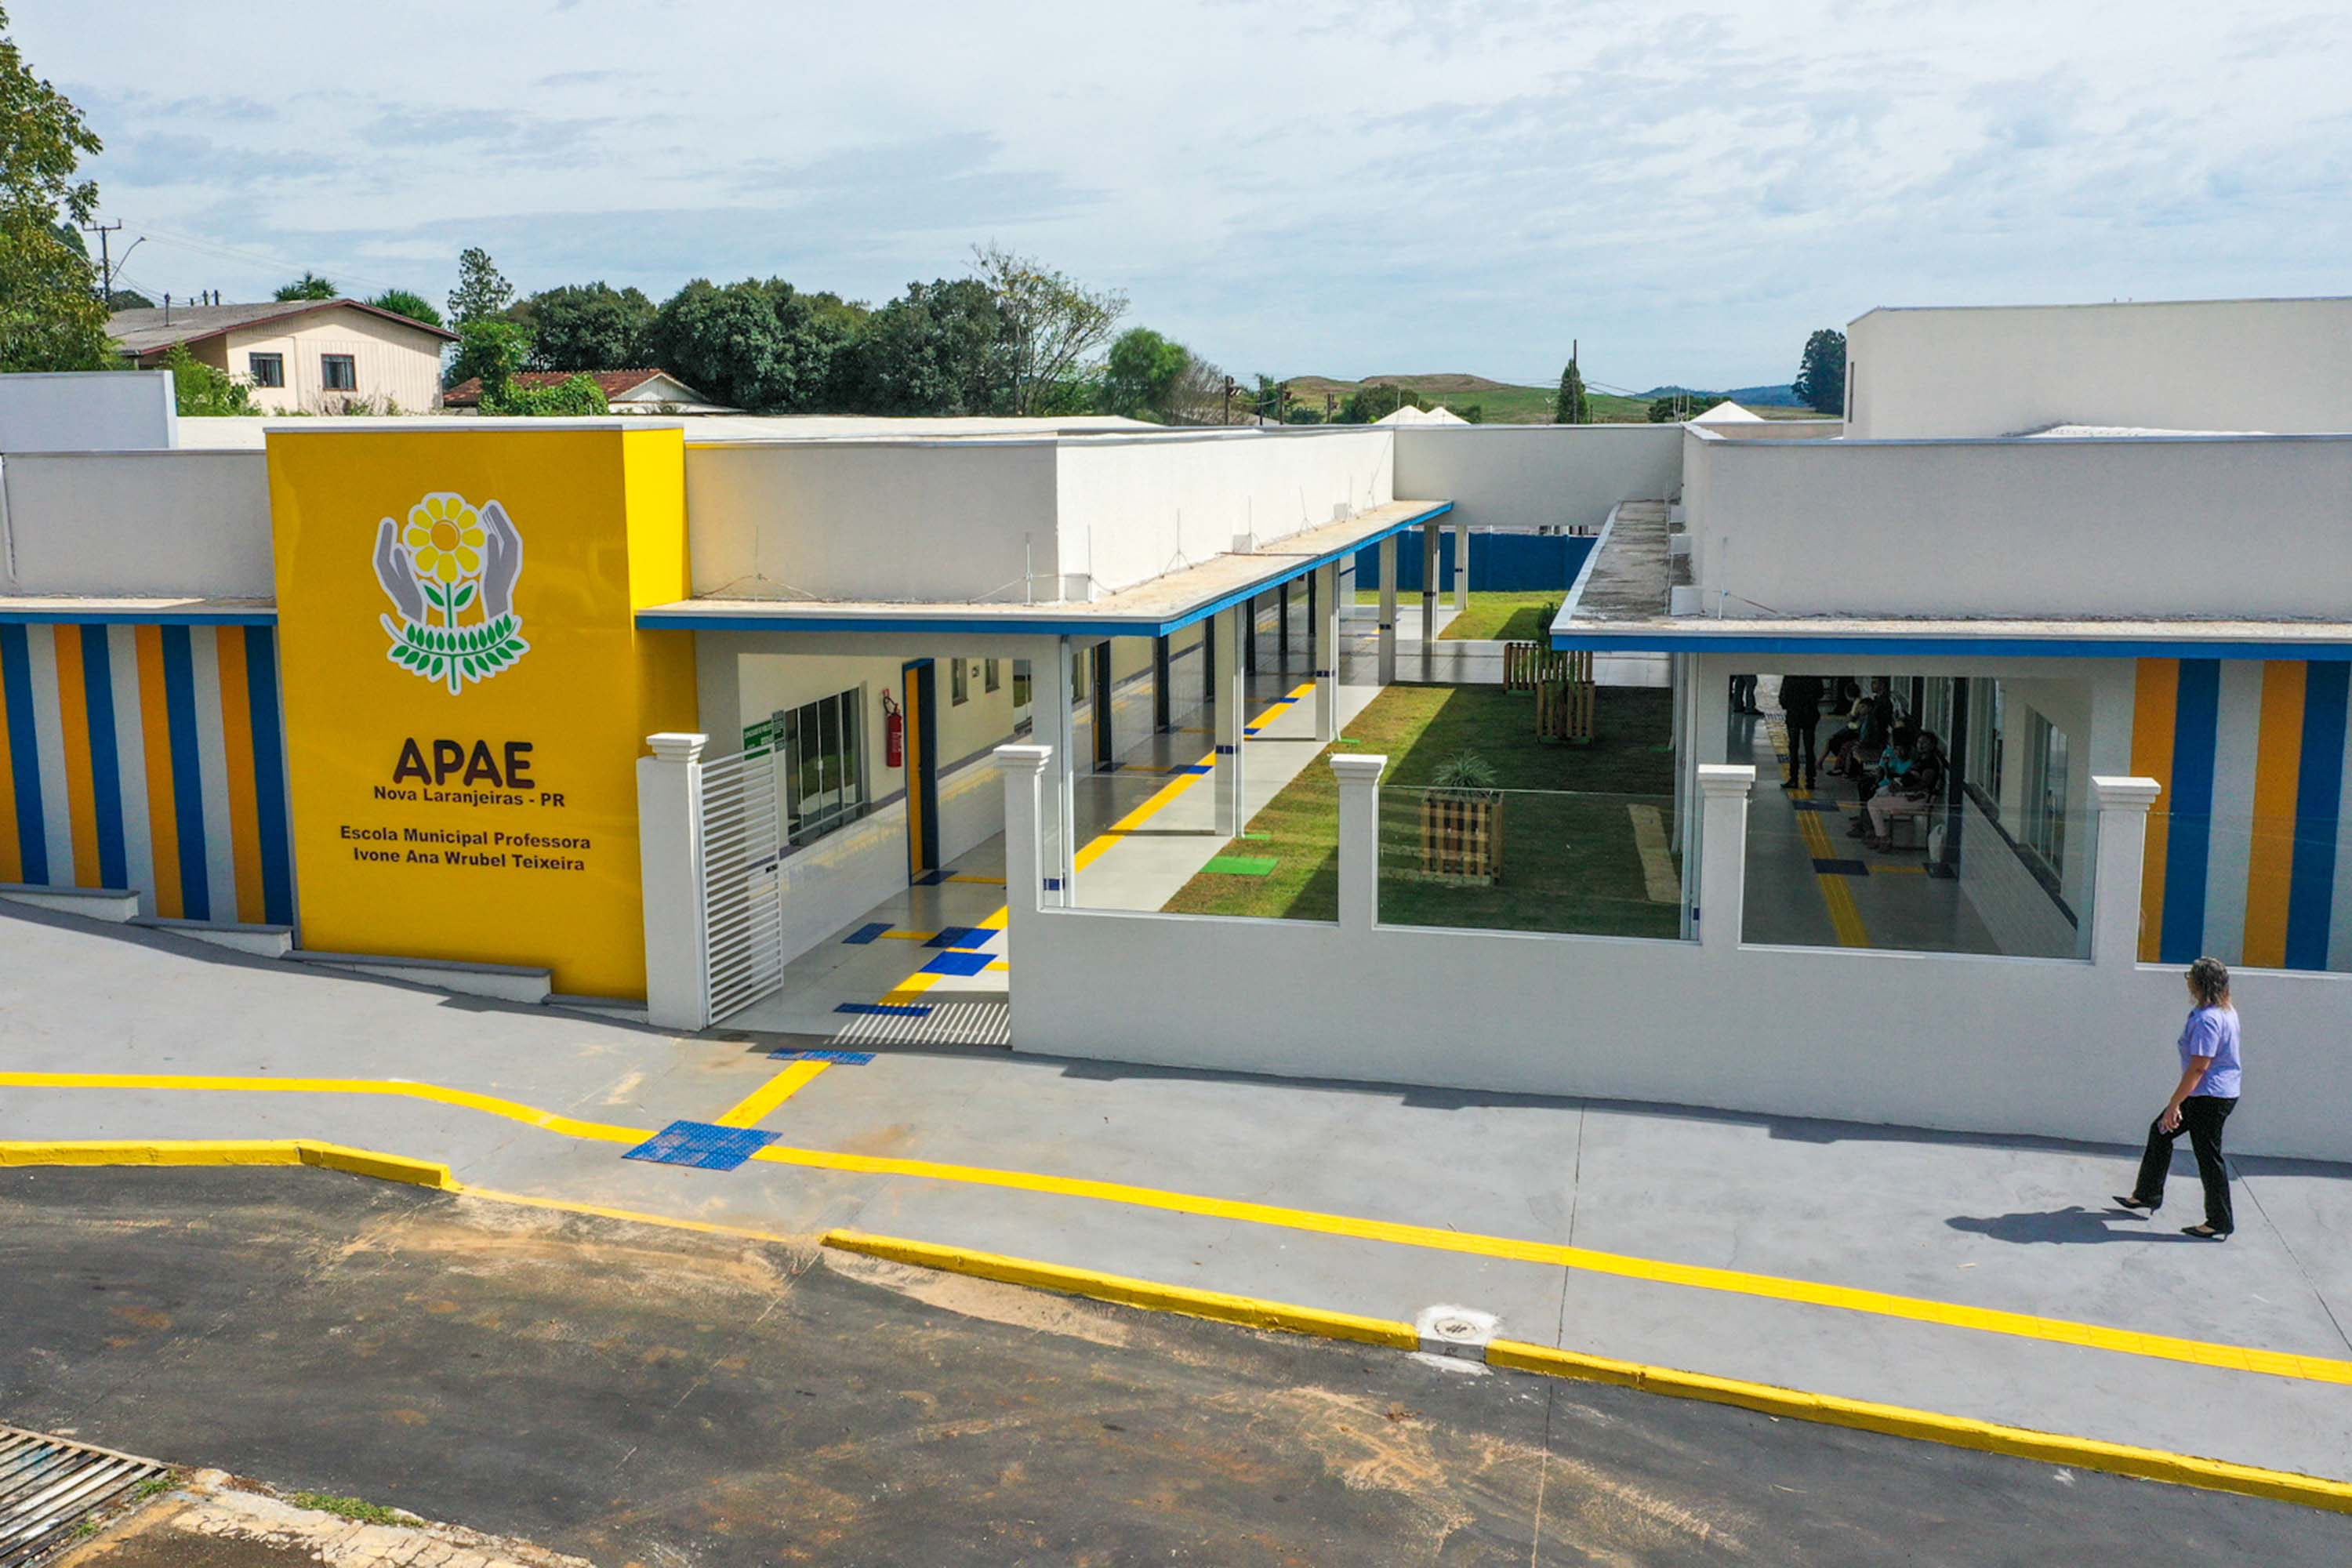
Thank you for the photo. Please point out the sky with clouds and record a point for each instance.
(1332, 188)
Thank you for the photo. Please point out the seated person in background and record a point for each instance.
(1912, 790)
(1853, 708)
(1873, 731)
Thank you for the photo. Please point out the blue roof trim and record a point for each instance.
(10, 616)
(1949, 647)
(1023, 625)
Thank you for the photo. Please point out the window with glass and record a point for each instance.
(990, 676)
(2046, 792)
(824, 765)
(339, 373)
(959, 683)
(265, 370)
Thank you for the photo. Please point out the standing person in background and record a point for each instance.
(1743, 695)
(1800, 701)
(2201, 1101)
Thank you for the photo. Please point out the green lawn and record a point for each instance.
(1569, 859)
(1509, 615)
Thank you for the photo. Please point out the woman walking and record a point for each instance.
(2200, 1103)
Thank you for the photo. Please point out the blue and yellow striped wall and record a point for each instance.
(2244, 859)
(148, 758)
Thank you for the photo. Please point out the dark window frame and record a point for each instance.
(276, 363)
(349, 371)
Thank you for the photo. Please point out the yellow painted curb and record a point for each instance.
(1247, 1312)
(1892, 1420)
(230, 1151)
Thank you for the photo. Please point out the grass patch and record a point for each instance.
(1506, 614)
(350, 1508)
(1570, 860)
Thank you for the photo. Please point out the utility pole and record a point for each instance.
(1330, 408)
(1228, 417)
(105, 262)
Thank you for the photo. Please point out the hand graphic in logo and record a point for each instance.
(450, 574)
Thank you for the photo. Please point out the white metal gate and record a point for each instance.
(742, 885)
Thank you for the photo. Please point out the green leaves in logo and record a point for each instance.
(474, 652)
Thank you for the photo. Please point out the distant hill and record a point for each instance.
(1782, 396)
(1502, 402)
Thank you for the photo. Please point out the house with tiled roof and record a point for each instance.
(300, 356)
(648, 391)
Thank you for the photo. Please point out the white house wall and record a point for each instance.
(388, 360)
(171, 524)
(1134, 509)
(1526, 476)
(2234, 364)
(2070, 529)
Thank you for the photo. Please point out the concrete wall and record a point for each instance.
(906, 520)
(1531, 476)
(2228, 364)
(1529, 563)
(165, 523)
(1133, 510)
(87, 411)
(2062, 528)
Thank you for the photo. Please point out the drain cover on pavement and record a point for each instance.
(49, 1486)
(982, 1023)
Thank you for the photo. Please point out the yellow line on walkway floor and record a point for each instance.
(771, 1094)
(1727, 1282)
(1846, 917)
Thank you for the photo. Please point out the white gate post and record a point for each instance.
(669, 857)
(1723, 852)
(1023, 768)
(1359, 840)
(2116, 890)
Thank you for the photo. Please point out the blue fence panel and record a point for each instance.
(1531, 561)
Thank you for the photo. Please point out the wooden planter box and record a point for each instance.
(1526, 666)
(1461, 839)
(1564, 707)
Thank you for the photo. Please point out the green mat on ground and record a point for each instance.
(1242, 864)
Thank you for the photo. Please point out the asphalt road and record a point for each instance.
(643, 1396)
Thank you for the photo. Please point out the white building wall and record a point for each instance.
(170, 524)
(1134, 509)
(1527, 475)
(87, 411)
(2279, 365)
(2071, 529)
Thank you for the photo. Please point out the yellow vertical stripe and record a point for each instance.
(12, 856)
(2156, 700)
(2278, 773)
(82, 793)
(162, 802)
(243, 809)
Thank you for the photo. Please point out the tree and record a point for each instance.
(758, 345)
(1571, 406)
(481, 290)
(1677, 407)
(310, 286)
(493, 350)
(51, 317)
(1821, 375)
(203, 389)
(129, 300)
(1140, 374)
(1051, 324)
(938, 348)
(1367, 405)
(574, 397)
(409, 303)
(587, 326)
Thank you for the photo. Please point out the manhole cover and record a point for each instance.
(49, 1486)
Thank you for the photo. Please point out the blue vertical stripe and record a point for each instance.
(188, 772)
(2196, 718)
(105, 761)
(2310, 885)
(24, 754)
(270, 775)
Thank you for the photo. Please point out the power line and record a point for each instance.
(276, 262)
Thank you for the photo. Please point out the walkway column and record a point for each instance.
(1359, 840)
(1429, 532)
(1231, 698)
(1388, 610)
(1461, 563)
(1723, 789)
(1282, 624)
(1023, 768)
(1248, 665)
(1323, 592)
(670, 859)
(2117, 890)
(1061, 813)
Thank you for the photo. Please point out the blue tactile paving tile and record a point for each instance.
(702, 1145)
(839, 1059)
(959, 964)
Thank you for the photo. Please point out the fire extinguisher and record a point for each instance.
(893, 734)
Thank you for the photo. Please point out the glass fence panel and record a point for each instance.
(1148, 840)
(1826, 870)
(2258, 892)
(1534, 860)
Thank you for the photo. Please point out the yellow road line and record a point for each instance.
(513, 1110)
(1726, 1281)
(771, 1094)
(1895, 1420)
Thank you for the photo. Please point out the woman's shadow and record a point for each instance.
(2072, 1225)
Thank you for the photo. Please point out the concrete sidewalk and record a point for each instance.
(1966, 1222)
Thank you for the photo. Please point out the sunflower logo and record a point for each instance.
(450, 574)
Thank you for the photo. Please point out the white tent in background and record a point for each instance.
(1409, 415)
(1728, 413)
